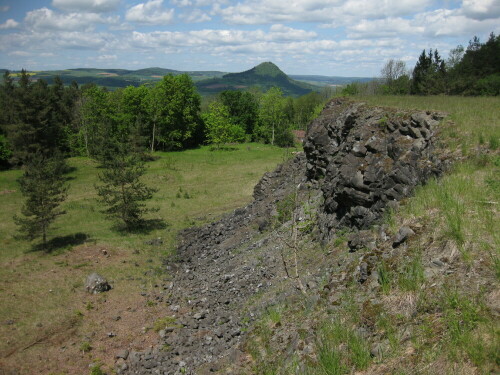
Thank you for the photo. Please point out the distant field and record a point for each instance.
(43, 305)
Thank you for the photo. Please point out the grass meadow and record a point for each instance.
(41, 294)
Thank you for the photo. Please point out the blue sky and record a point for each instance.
(327, 37)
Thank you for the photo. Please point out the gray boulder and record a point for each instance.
(96, 283)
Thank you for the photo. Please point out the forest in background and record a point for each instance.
(171, 115)
(470, 71)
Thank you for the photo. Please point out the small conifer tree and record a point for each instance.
(122, 191)
(44, 188)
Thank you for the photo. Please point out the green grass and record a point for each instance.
(460, 208)
(211, 182)
(463, 205)
(411, 275)
(442, 320)
(215, 182)
(385, 276)
(340, 349)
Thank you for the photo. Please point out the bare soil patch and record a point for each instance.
(105, 323)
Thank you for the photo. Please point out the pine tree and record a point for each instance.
(122, 191)
(44, 189)
(429, 74)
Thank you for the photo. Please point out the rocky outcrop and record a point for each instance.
(366, 159)
(358, 161)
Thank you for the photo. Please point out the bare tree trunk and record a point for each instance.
(292, 244)
(44, 237)
(153, 139)
(86, 139)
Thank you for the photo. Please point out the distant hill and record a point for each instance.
(262, 76)
(116, 78)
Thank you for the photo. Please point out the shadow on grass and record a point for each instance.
(224, 148)
(61, 243)
(144, 227)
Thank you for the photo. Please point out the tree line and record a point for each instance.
(41, 125)
(88, 120)
(474, 70)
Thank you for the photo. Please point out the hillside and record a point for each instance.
(263, 76)
(334, 269)
(375, 251)
(47, 304)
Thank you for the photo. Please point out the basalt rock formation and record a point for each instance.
(359, 161)
(366, 159)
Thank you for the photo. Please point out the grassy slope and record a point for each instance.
(42, 294)
(420, 321)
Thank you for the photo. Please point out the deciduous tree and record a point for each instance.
(219, 126)
(272, 114)
(243, 108)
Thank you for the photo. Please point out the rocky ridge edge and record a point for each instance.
(358, 161)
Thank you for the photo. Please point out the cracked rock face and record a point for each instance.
(366, 158)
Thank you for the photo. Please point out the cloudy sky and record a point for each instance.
(328, 37)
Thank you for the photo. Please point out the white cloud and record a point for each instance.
(383, 28)
(106, 58)
(4, 8)
(285, 33)
(199, 3)
(121, 27)
(436, 23)
(481, 9)
(9, 24)
(197, 15)
(94, 6)
(43, 41)
(362, 9)
(19, 53)
(151, 13)
(182, 3)
(209, 38)
(445, 22)
(335, 12)
(84, 40)
(46, 19)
